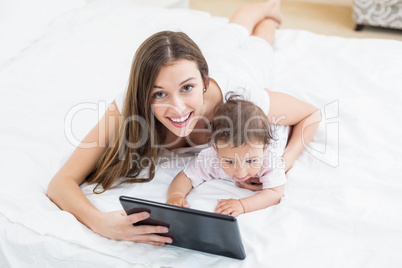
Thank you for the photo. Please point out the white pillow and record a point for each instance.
(24, 21)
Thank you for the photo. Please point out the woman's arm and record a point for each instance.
(305, 118)
(178, 190)
(65, 192)
(263, 199)
(287, 110)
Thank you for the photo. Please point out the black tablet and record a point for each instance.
(189, 228)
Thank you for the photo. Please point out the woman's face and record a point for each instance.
(177, 97)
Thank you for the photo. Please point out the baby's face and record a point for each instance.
(240, 163)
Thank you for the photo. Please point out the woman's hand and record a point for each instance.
(117, 225)
(252, 184)
(231, 207)
(177, 200)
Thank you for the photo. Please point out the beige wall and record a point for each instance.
(333, 2)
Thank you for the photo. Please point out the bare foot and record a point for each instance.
(274, 7)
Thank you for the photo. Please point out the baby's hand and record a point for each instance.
(177, 200)
(252, 184)
(231, 207)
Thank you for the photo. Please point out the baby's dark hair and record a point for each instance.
(238, 121)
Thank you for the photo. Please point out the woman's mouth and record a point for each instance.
(180, 121)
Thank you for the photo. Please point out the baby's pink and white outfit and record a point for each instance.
(205, 167)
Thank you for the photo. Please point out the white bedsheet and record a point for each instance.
(343, 196)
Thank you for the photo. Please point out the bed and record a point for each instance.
(343, 199)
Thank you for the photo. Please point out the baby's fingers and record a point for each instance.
(221, 207)
(178, 203)
(222, 201)
(227, 211)
(182, 203)
(185, 204)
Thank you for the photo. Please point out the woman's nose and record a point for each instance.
(178, 104)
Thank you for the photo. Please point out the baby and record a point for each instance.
(240, 137)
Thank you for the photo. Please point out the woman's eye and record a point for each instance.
(159, 95)
(250, 161)
(229, 162)
(187, 88)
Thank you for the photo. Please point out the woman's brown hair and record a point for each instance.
(158, 50)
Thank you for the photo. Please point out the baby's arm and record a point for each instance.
(263, 199)
(178, 190)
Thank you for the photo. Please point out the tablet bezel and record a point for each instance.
(184, 232)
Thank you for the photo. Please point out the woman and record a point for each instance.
(169, 82)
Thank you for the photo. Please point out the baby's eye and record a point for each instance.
(159, 95)
(187, 88)
(229, 162)
(250, 161)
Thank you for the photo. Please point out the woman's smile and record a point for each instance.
(181, 121)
